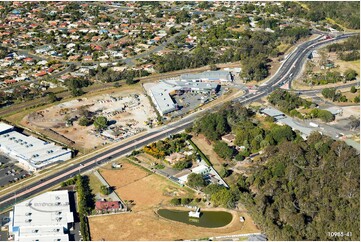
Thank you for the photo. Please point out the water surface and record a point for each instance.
(208, 219)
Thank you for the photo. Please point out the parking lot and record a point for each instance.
(9, 172)
(189, 101)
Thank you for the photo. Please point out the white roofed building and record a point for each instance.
(160, 93)
(33, 153)
(46, 217)
(221, 76)
(161, 98)
(5, 127)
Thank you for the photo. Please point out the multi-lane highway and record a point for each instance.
(288, 70)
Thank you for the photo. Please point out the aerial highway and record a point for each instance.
(290, 67)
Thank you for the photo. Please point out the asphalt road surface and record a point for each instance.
(288, 70)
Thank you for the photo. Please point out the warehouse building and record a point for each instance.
(47, 217)
(161, 93)
(208, 76)
(32, 153)
(161, 98)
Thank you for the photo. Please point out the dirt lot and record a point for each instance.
(150, 192)
(128, 109)
(143, 187)
(349, 111)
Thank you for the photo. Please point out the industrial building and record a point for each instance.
(161, 93)
(32, 153)
(47, 217)
(208, 76)
(161, 98)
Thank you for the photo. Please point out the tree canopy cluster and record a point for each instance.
(302, 190)
(165, 147)
(331, 77)
(85, 203)
(108, 75)
(100, 123)
(248, 134)
(287, 101)
(324, 115)
(75, 85)
(345, 13)
(348, 50)
(337, 96)
(252, 48)
(196, 181)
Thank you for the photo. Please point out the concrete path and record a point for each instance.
(112, 195)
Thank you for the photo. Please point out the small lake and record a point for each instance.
(208, 219)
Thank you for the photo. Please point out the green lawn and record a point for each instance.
(94, 183)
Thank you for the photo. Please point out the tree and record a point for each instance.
(185, 201)
(224, 172)
(172, 30)
(182, 16)
(100, 123)
(324, 115)
(222, 150)
(77, 92)
(350, 75)
(297, 187)
(222, 197)
(212, 188)
(105, 190)
(329, 93)
(213, 67)
(282, 133)
(356, 99)
(196, 180)
(180, 165)
(84, 121)
(353, 89)
(72, 67)
(175, 201)
(130, 80)
(52, 97)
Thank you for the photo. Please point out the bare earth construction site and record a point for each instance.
(128, 113)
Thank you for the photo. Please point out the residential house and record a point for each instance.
(105, 206)
(174, 157)
(229, 139)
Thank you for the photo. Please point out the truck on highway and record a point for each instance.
(312, 124)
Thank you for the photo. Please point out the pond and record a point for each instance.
(208, 219)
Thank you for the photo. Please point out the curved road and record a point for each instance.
(288, 70)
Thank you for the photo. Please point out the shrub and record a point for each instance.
(175, 201)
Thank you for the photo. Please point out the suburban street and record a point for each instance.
(291, 66)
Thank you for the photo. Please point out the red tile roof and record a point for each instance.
(42, 73)
(99, 205)
(9, 81)
(28, 59)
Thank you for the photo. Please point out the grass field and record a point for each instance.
(208, 151)
(150, 192)
(94, 183)
(345, 65)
